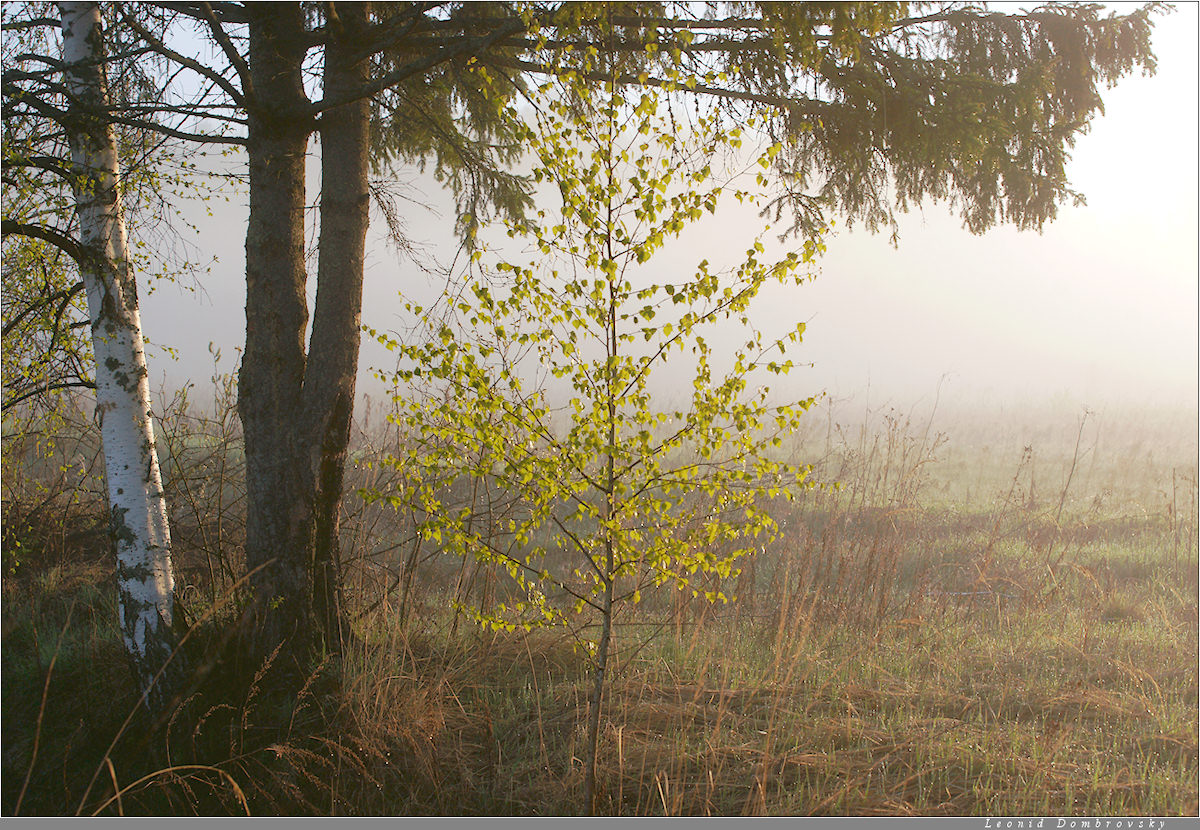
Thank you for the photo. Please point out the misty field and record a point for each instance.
(980, 613)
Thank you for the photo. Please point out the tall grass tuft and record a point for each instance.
(983, 618)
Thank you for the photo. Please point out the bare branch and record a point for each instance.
(42, 389)
(48, 163)
(224, 12)
(234, 56)
(65, 296)
(71, 247)
(191, 63)
(32, 23)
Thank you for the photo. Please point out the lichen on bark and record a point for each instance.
(138, 515)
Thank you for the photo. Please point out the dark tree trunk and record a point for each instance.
(333, 351)
(296, 410)
(279, 523)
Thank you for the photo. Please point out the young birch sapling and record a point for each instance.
(617, 495)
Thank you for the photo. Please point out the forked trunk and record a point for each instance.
(145, 582)
(296, 409)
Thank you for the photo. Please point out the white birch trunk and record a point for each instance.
(139, 512)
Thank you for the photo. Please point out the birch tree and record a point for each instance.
(615, 495)
(877, 106)
(145, 582)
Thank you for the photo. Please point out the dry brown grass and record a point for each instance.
(961, 629)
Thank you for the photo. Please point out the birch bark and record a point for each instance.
(139, 526)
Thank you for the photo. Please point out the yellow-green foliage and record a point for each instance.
(615, 495)
(944, 648)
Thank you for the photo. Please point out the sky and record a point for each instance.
(1100, 308)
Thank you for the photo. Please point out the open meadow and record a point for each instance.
(510, 497)
(991, 613)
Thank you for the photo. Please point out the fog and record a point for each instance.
(1098, 310)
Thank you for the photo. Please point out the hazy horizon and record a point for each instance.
(1100, 309)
